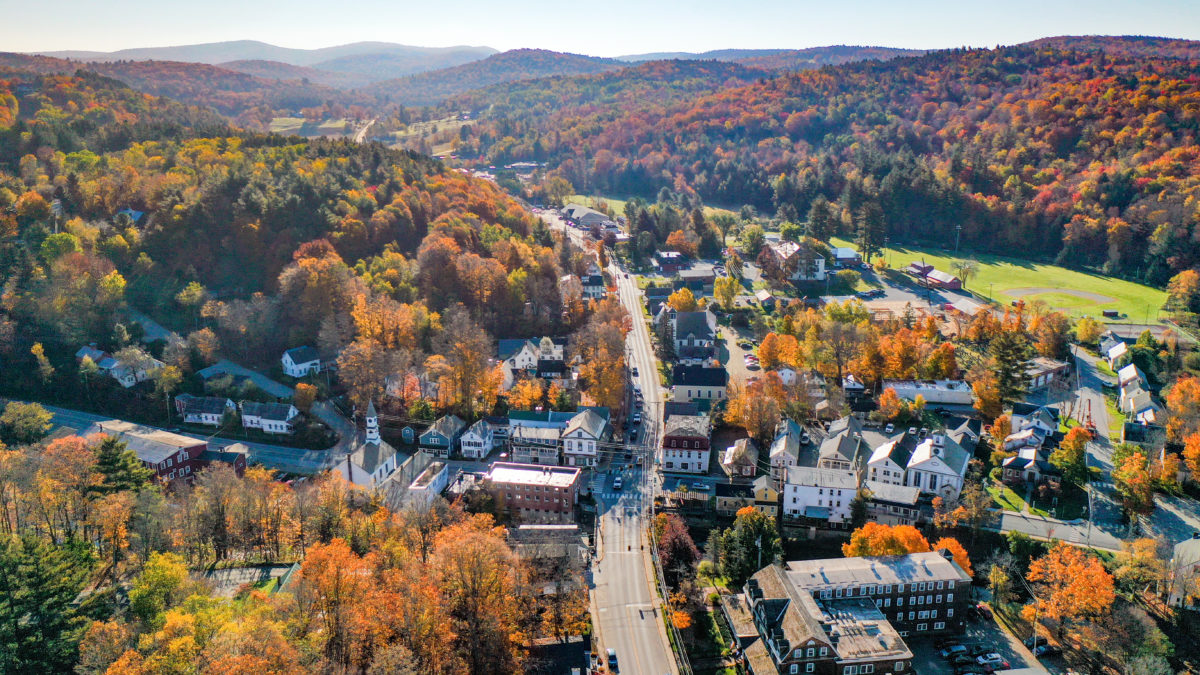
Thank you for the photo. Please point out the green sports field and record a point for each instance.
(1073, 292)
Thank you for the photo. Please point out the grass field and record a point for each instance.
(618, 205)
(286, 125)
(1073, 292)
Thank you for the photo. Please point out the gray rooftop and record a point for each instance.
(892, 569)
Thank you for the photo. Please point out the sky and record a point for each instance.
(599, 28)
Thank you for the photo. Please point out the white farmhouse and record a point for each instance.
(273, 418)
(301, 361)
(478, 440)
(580, 438)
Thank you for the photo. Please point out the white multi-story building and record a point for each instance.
(819, 494)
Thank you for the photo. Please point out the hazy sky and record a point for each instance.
(602, 28)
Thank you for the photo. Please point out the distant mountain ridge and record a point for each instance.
(433, 87)
(783, 59)
(253, 50)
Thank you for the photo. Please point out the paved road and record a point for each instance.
(283, 458)
(361, 133)
(625, 606)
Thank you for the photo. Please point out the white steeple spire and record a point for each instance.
(372, 424)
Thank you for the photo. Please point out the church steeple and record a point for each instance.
(372, 424)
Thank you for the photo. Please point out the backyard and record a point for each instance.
(1070, 503)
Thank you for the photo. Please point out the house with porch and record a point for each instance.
(478, 440)
(271, 418)
(685, 443)
(301, 361)
(441, 438)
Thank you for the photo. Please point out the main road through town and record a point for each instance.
(627, 612)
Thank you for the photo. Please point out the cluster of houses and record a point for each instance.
(899, 470)
(270, 418)
(1035, 434)
(545, 438)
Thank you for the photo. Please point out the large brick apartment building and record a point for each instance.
(847, 616)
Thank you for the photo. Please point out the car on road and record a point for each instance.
(992, 661)
(618, 483)
(697, 485)
(636, 419)
(634, 371)
(890, 428)
(1046, 650)
(745, 345)
(633, 436)
(984, 610)
(805, 438)
(612, 659)
(952, 651)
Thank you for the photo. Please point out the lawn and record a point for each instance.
(1072, 502)
(1005, 498)
(618, 205)
(1007, 279)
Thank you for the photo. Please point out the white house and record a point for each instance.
(128, 375)
(206, 410)
(1184, 587)
(593, 283)
(696, 383)
(785, 449)
(685, 443)
(301, 361)
(580, 438)
(273, 418)
(889, 461)
(1115, 352)
(819, 494)
(478, 440)
(938, 465)
(1042, 420)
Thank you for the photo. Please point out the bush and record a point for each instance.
(714, 598)
(1192, 361)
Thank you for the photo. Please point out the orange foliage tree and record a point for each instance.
(1071, 586)
(879, 539)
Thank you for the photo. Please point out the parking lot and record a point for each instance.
(982, 632)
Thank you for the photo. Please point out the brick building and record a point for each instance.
(535, 493)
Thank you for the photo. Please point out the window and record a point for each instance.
(922, 626)
(838, 593)
(939, 599)
(810, 667)
(868, 668)
(795, 668)
(900, 664)
(949, 597)
(933, 614)
(950, 613)
(939, 586)
(900, 602)
(923, 615)
(950, 585)
(824, 651)
(939, 625)
(825, 595)
(887, 589)
(912, 615)
(929, 599)
(850, 670)
(900, 588)
(810, 653)
(887, 602)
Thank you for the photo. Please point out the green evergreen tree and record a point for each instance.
(40, 625)
(820, 219)
(1010, 356)
(751, 544)
(120, 468)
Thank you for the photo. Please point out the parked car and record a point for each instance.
(617, 485)
(1032, 640)
(636, 419)
(962, 660)
(952, 651)
(978, 650)
(890, 428)
(805, 438)
(992, 660)
(984, 610)
(700, 486)
(1046, 650)
(612, 659)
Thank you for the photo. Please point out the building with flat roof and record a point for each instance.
(935, 392)
(534, 493)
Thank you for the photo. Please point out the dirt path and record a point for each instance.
(1086, 295)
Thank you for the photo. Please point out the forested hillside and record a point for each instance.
(290, 235)
(252, 100)
(1084, 155)
(519, 64)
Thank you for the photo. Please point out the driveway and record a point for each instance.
(227, 367)
(736, 361)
